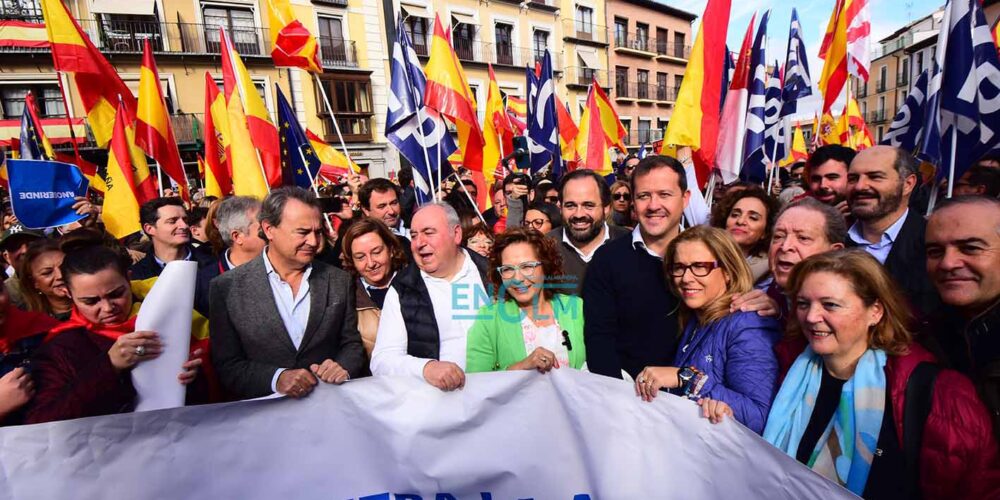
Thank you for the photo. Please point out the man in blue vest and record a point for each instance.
(432, 303)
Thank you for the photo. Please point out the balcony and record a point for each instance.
(666, 94)
(902, 79)
(635, 44)
(642, 92)
(579, 77)
(585, 33)
(670, 50)
(337, 52)
(187, 127)
(880, 86)
(862, 90)
(876, 116)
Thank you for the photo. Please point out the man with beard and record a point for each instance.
(586, 203)
(379, 198)
(963, 255)
(630, 316)
(163, 220)
(879, 183)
(827, 175)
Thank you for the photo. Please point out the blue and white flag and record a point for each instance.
(754, 138)
(42, 193)
(773, 150)
(798, 83)
(963, 91)
(908, 125)
(543, 121)
(642, 152)
(407, 118)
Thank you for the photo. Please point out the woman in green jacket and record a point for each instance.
(530, 327)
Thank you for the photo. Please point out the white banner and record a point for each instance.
(566, 435)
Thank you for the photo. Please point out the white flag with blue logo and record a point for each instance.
(908, 124)
(798, 83)
(754, 139)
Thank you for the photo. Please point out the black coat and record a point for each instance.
(148, 268)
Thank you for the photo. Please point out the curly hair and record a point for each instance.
(872, 284)
(771, 205)
(367, 225)
(545, 249)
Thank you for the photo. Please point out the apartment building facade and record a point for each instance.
(186, 43)
(650, 47)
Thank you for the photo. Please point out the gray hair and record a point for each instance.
(274, 205)
(835, 226)
(449, 212)
(235, 214)
(905, 164)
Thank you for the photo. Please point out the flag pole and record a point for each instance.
(336, 126)
(159, 176)
(951, 169)
(847, 119)
(469, 197)
(312, 183)
(243, 100)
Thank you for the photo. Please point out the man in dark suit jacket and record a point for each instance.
(163, 220)
(879, 183)
(283, 320)
(236, 219)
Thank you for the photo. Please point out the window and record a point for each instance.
(904, 74)
(678, 80)
(463, 37)
(881, 105)
(621, 32)
(642, 36)
(21, 10)
(47, 99)
(128, 33)
(584, 22)
(902, 96)
(920, 62)
(416, 27)
(883, 76)
(627, 124)
(661, 87)
(680, 51)
(540, 42)
(621, 81)
(505, 49)
(644, 135)
(642, 78)
(864, 109)
(661, 41)
(351, 99)
(332, 46)
(240, 25)
(880, 133)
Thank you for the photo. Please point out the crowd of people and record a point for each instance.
(825, 313)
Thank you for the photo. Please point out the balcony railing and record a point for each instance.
(877, 116)
(584, 32)
(640, 91)
(670, 49)
(666, 94)
(880, 86)
(114, 36)
(902, 79)
(187, 127)
(581, 76)
(862, 90)
(634, 41)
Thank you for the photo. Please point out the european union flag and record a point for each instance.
(299, 163)
(31, 145)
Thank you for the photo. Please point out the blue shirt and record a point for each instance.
(881, 249)
(293, 310)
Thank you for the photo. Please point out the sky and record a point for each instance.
(887, 16)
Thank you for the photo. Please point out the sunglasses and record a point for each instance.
(622, 196)
(552, 199)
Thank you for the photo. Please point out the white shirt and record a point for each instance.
(881, 249)
(638, 242)
(455, 303)
(605, 236)
(164, 264)
(293, 310)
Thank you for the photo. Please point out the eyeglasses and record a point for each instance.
(527, 269)
(535, 223)
(622, 196)
(552, 199)
(698, 269)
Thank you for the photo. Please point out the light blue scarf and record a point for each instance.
(845, 451)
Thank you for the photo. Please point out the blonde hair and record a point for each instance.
(872, 284)
(731, 262)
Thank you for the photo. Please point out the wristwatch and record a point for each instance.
(691, 381)
(684, 376)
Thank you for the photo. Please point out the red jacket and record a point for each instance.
(958, 455)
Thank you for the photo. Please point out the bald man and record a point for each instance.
(880, 181)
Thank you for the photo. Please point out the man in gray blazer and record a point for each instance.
(283, 320)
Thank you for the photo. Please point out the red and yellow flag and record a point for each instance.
(154, 133)
(291, 43)
(517, 111)
(695, 120)
(828, 133)
(23, 34)
(122, 200)
(448, 93)
(568, 132)
(846, 36)
(217, 175)
(598, 132)
(97, 81)
(497, 131)
(851, 128)
(798, 151)
(238, 87)
(333, 164)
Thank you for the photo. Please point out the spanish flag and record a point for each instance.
(844, 48)
(97, 81)
(517, 111)
(798, 151)
(238, 87)
(333, 164)
(568, 132)
(497, 130)
(695, 121)
(245, 118)
(23, 34)
(154, 132)
(448, 93)
(600, 129)
(122, 200)
(851, 128)
(218, 179)
(291, 43)
(828, 130)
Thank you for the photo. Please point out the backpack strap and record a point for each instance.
(919, 396)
